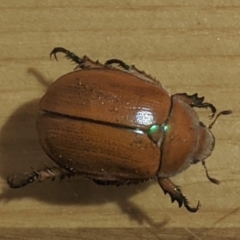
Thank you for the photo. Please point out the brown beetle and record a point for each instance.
(117, 125)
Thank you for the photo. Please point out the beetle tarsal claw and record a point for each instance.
(21, 180)
(57, 50)
(175, 194)
(82, 63)
(191, 209)
(68, 54)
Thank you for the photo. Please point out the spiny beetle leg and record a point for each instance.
(133, 70)
(195, 101)
(68, 54)
(83, 62)
(175, 193)
(117, 61)
(46, 173)
(211, 106)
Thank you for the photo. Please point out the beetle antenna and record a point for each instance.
(213, 180)
(226, 112)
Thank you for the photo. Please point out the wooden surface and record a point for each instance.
(190, 46)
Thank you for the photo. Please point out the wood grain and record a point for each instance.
(190, 46)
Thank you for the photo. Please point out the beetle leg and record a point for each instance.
(195, 101)
(132, 70)
(120, 63)
(82, 63)
(24, 179)
(175, 193)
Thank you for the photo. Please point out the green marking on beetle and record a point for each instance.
(166, 127)
(153, 129)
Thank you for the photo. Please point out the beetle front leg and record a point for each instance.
(24, 179)
(175, 193)
(195, 101)
(83, 62)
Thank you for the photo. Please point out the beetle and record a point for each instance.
(117, 125)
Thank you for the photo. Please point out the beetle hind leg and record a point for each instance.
(46, 173)
(82, 63)
(132, 70)
(195, 101)
(120, 63)
(175, 193)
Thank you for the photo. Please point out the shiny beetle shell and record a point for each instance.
(117, 125)
(98, 124)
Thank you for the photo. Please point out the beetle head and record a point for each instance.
(206, 143)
